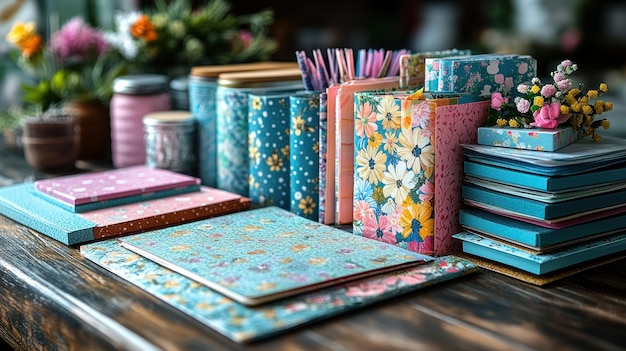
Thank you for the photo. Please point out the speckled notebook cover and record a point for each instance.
(243, 323)
(268, 253)
(95, 190)
(20, 203)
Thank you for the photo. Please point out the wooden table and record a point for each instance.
(52, 298)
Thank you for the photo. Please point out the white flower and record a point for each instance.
(121, 38)
(398, 182)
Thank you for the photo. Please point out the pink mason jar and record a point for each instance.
(135, 96)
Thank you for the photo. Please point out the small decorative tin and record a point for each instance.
(268, 147)
(134, 96)
(170, 140)
(232, 120)
(304, 154)
(202, 89)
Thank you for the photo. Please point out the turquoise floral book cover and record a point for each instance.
(242, 323)
(268, 253)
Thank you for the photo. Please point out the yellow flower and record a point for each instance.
(535, 89)
(538, 101)
(20, 32)
(306, 205)
(416, 221)
(513, 123)
(596, 137)
(575, 107)
(608, 106)
(256, 103)
(375, 140)
(603, 87)
(274, 162)
(599, 107)
(23, 36)
(501, 122)
(606, 124)
(587, 110)
(573, 92)
(285, 150)
(592, 94)
(564, 109)
(371, 164)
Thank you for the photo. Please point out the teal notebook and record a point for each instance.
(242, 323)
(538, 209)
(534, 236)
(539, 264)
(269, 253)
(507, 176)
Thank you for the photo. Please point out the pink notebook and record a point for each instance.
(95, 190)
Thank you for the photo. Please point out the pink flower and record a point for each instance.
(548, 90)
(559, 76)
(522, 88)
(566, 63)
(549, 116)
(246, 38)
(523, 105)
(379, 230)
(497, 100)
(366, 121)
(563, 84)
(362, 210)
(77, 38)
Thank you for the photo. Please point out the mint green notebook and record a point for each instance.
(242, 323)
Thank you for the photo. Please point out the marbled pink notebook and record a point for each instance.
(95, 190)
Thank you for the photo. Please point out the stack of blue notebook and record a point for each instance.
(545, 213)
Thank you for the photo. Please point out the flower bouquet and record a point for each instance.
(553, 105)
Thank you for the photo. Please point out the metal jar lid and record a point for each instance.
(255, 79)
(141, 84)
(169, 120)
(212, 72)
(179, 84)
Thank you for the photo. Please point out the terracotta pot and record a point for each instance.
(93, 129)
(49, 144)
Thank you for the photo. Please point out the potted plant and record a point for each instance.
(174, 36)
(49, 141)
(75, 68)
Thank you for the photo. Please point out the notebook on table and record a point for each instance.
(244, 324)
(95, 190)
(266, 254)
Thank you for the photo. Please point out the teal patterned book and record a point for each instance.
(268, 253)
(537, 263)
(242, 323)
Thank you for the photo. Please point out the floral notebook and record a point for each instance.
(266, 254)
(243, 323)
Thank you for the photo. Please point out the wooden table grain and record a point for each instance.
(53, 298)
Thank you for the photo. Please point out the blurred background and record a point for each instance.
(590, 33)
